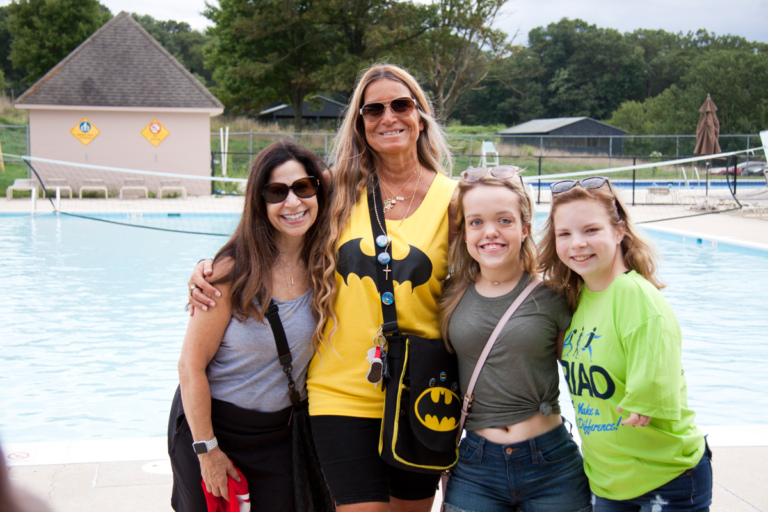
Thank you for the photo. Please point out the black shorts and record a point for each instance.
(349, 454)
(259, 444)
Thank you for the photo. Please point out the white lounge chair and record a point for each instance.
(22, 185)
(490, 156)
(134, 185)
(94, 185)
(51, 184)
(662, 192)
(169, 186)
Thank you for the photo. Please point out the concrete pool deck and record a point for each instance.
(134, 475)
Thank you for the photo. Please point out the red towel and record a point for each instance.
(240, 500)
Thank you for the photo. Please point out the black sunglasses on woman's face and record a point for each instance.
(278, 192)
(401, 107)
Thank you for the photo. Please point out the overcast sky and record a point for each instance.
(745, 18)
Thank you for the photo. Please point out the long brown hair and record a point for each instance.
(252, 248)
(638, 254)
(464, 269)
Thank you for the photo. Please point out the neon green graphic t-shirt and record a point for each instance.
(623, 350)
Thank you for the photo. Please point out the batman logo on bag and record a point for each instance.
(434, 409)
(416, 267)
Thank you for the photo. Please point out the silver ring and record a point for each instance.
(192, 287)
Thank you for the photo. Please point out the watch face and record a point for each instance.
(200, 448)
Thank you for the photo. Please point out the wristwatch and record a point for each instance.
(202, 447)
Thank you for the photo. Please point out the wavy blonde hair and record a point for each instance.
(464, 269)
(639, 255)
(355, 161)
(252, 249)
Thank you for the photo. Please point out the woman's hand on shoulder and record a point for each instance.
(200, 290)
(634, 420)
(215, 466)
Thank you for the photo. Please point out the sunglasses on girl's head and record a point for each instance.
(500, 171)
(401, 107)
(588, 183)
(278, 192)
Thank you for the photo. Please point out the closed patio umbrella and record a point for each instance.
(707, 132)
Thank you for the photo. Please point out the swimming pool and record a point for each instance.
(93, 325)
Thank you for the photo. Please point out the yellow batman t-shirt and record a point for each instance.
(337, 382)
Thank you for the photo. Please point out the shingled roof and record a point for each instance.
(120, 65)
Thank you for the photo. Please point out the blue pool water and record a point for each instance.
(94, 318)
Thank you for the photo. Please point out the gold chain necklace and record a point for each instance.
(378, 220)
(390, 203)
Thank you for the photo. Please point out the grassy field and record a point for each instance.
(13, 141)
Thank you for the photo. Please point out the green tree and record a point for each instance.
(737, 81)
(265, 52)
(46, 31)
(589, 71)
(510, 97)
(358, 33)
(460, 50)
(14, 78)
(181, 41)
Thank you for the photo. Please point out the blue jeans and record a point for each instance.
(542, 474)
(691, 491)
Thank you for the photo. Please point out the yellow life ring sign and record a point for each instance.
(85, 131)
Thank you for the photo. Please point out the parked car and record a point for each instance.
(753, 169)
(742, 169)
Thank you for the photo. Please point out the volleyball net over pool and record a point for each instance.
(155, 200)
(669, 189)
(654, 191)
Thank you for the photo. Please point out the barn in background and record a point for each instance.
(572, 134)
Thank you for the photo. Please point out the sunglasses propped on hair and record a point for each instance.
(278, 192)
(590, 183)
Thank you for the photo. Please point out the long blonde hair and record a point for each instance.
(355, 161)
(637, 253)
(463, 268)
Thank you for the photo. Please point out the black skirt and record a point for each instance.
(258, 443)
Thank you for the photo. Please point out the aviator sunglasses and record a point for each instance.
(278, 192)
(501, 172)
(587, 183)
(401, 107)
(591, 183)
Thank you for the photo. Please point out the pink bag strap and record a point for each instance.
(468, 396)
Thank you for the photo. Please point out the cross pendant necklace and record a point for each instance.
(386, 272)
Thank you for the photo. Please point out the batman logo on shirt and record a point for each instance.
(416, 267)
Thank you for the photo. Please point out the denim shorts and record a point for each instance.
(542, 474)
(691, 491)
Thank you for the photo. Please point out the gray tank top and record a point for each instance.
(245, 370)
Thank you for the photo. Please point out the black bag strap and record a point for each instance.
(389, 311)
(283, 351)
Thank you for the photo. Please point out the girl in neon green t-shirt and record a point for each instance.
(621, 357)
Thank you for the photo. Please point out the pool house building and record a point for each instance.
(121, 100)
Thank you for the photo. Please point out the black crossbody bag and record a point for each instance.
(310, 490)
(420, 424)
